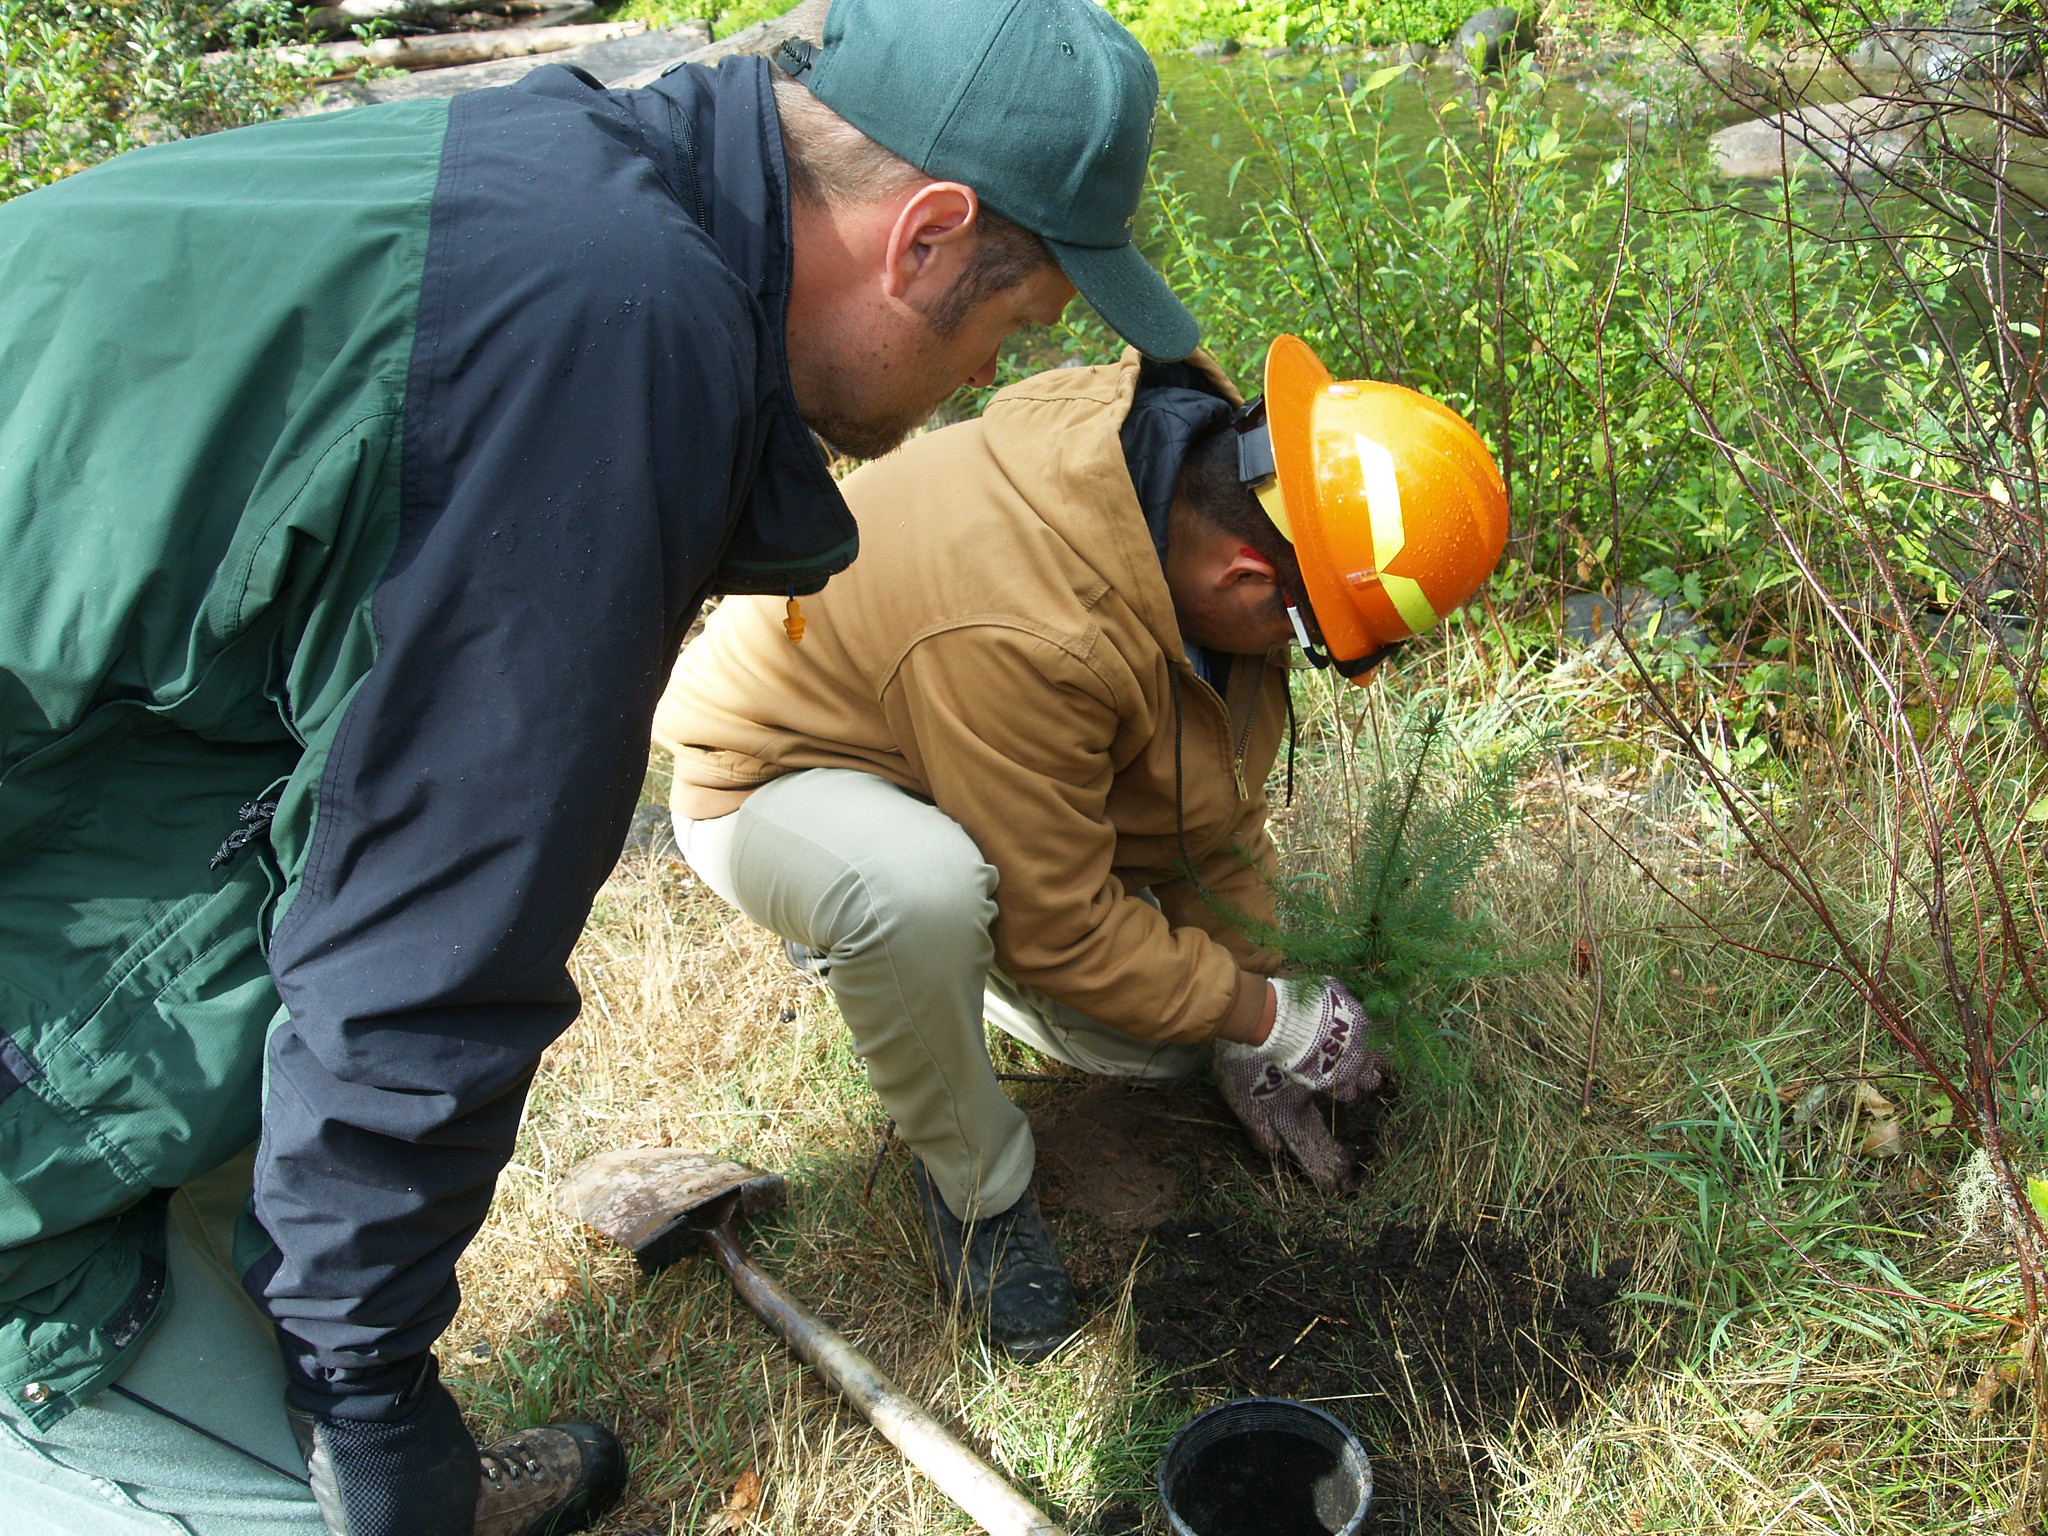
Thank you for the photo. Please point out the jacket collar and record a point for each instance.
(717, 138)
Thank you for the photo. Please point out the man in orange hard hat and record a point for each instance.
(1014, 768)
(1389, 501)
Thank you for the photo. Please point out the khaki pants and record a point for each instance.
(115, 1467)
(899, 899)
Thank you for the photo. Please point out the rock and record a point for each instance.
(1232, 48)
(763, 37)
(610, 61)
(1591, 616)
(1206, 50)
(1610, 97)
(1971, 44)
(1274, 53)
(1489, 41)
(1421, 55)
(1859, 138)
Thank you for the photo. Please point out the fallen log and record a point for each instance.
(341, 15)
(339, 20)
(445, 48)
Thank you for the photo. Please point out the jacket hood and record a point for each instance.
(1058, 436)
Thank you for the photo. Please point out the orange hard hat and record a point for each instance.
(1393, 505)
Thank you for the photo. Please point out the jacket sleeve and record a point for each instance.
(1235, 878)
(580, 395)
(1031, 786)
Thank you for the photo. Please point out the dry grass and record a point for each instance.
(1767, 1397)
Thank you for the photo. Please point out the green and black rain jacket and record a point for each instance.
(359, 477)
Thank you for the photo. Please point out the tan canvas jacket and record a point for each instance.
(1006, 647)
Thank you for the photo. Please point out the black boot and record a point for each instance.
(549, 1481)
(1007, 1268)
(814, 963)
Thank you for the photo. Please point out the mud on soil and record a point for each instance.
(1420, 1341)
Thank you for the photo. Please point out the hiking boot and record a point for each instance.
(549, 1481)
(814, 963)
(1006, 1268)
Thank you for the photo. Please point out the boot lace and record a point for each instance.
(507, 1464)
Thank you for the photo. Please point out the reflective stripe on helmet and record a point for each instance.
(1410, 601)
(1389, 533)
(1382, 500)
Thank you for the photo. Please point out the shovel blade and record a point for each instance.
(654, 1200)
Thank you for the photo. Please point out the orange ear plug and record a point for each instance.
(793, 623)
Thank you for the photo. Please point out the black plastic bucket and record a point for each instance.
(1265, 1466)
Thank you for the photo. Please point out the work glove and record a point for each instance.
(387, 1452)
(1278, 1113)
(1321, 1039)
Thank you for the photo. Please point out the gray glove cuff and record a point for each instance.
(1297, 1023)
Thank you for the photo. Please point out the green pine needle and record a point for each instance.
(1397, 926)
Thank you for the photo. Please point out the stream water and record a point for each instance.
(1209, 109)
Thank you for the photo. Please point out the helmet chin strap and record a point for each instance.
(1255, 467)
(1317, 656)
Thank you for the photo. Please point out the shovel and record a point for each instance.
(662, 1203)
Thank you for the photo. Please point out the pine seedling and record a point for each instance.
(1393, 920)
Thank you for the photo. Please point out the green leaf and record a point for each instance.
(1380, 78)
(2037, 1196)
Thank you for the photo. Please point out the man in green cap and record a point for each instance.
(359, 478)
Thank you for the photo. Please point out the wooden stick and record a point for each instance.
(961, 1475)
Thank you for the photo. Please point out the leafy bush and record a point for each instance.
(725, 16)
(84, 79)
(1162, 24)
(1478, 249)
(1277, 23)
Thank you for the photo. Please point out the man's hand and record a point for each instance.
(1278, 1112)
(395, 1462)
(1320, 1039)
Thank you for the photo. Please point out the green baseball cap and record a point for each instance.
(1044, 107)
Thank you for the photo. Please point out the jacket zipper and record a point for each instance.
(1244, 732)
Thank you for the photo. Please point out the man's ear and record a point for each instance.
(930, 241)
(1248, 564)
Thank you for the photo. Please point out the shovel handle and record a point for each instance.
(961, 1475)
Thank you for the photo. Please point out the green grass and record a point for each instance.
(1768, 1387)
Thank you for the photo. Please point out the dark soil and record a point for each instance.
(1257, 1484)
(1415, 1342)
(1422, 1342)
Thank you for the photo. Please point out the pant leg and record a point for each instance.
(1068, 1035)
(900, 900)
(113, 1467)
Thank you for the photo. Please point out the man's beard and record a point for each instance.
(858, 438)
(839, 420)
